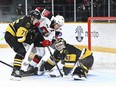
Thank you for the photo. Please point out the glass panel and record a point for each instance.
(9, 12)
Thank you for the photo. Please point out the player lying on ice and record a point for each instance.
(74, 61)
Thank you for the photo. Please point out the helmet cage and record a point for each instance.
(59, 46)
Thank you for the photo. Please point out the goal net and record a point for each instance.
(102, 38)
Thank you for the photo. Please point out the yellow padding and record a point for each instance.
(18, 60)
(50, 62)
(10, 30)
(87, 53)
(70, 57)
(17, 64)
(84, 67)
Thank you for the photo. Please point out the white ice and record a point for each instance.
(96, 77)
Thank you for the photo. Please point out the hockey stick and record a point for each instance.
(77, 63)
(20, 55)
(55, 62)
(52, 57)
(7, 64)
(25, 61)
(24, 73)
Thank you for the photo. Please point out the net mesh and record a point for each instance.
(102, 33)
(102, 41)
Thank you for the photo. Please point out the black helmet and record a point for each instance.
(35, 14)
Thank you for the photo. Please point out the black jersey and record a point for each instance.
(67, 52)
(71, 51)
(23, 22)
(69, 56)
(23, 27)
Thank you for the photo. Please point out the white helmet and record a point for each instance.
(59, 19)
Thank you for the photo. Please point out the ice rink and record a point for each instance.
(103, 77)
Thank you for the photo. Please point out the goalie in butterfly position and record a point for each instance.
(75, 61)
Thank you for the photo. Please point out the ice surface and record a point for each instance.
(96, 77)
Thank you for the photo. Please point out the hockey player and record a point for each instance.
(19, 32)
(74, 61)
(50, 31)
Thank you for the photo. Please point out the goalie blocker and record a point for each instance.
(70, 57)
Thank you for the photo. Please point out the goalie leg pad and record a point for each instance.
(79, 73)
(54, 73)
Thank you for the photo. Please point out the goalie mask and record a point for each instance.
(60, 44)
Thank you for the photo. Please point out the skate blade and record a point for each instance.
(52, 75)
(15, 78)
(76, 77)
(40, 73)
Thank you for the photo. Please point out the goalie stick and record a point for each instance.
(55, 62)
(52, 55)
(75, 65)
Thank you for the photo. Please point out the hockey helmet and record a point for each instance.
(35, 14)
(38, 9)
(60, 44)
(59, 19)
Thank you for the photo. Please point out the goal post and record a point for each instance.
(105, 27)
(102, 41)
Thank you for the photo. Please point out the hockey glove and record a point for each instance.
(46, 13)
(46, 43)
(37, 24)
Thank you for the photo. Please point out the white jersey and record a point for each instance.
(45, 22)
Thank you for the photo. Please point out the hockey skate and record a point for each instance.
(79, 74)
(41, 68)
(30, 72)
(54, 73)
(16, 75)
(30, 67)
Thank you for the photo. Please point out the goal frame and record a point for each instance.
(89, 26)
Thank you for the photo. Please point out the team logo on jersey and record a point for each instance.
(27, 25)
(79, 33)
